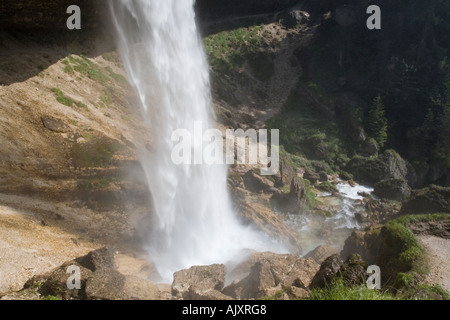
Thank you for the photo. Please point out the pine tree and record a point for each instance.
(376, 122)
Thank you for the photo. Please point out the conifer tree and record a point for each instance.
(376, 122)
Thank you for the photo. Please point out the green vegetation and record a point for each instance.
(61, 98)
(67, 101)
(376, 122)
(339, 290)
(403, 253)
(307, 132)
(92, 70)
(50, 297)
(231, 48)
(327, 187)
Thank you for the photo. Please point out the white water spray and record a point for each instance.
(163, 55)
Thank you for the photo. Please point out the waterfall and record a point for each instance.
(162, 52)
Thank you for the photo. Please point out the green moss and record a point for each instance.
(68, 69)
(277, 296)
(402, 252)
(327, 187)
(87, 68)
(67, 101)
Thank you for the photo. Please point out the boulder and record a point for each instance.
(99, 279)
(267, 221)
(323, 176)
(293, 18)
(312, 176)
(297, 192)
(392, 189)
(198, 280)
(428, 200)
(268, 273)
(287, 171)
(368, 148)
(354, 270)
(321, 253)
(327, 273)
(364, 243)
(257, 183)
(54, 124)
(389, 165)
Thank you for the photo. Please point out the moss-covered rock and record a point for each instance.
(392, 189)
(428, 200)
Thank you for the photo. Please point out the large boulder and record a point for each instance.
(265, 274)
(257, 183)
(328, 272)
(265, 219)
(101, 278)
(392, 189)
(428, 200)
(388, 165)
(321, 253)
(354, 270)
(364, 243)
(199, 282)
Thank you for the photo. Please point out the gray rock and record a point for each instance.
(200, 278)
(270, 272)
(392, 189)
(321, 253)
(327, 273)
(54, 124)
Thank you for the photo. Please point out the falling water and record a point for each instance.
(162, 52)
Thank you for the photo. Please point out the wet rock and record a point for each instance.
(321, 253)
(267, 221)
(269, 272)
(198, 280)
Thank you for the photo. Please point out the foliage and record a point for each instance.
(67, 101)
(339, 290)
(376, 122)
(92, 70)
(230, 47)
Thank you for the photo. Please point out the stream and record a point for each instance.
(334, 227)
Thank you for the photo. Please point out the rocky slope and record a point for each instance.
(70, 182)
